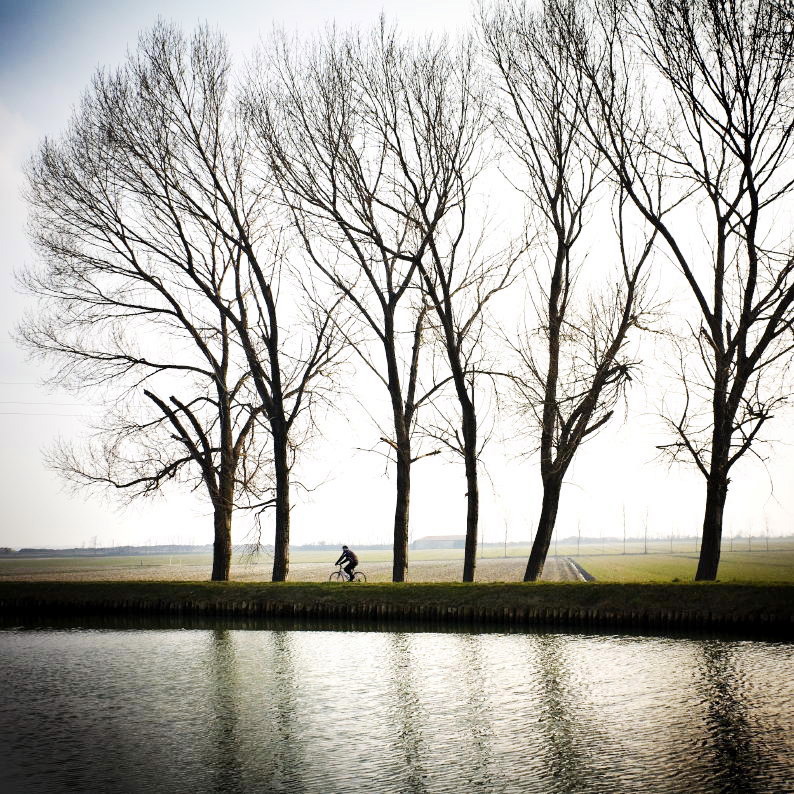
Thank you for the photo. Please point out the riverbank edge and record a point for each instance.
(758, 608)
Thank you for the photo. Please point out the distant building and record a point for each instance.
(440, 542)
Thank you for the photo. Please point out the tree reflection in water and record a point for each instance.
(230, 709)
(224, 766)
(252, 740)
(406, 712)
(730, 749)
(431, 731)
(565, 754)
(280, 747)
(475, 685)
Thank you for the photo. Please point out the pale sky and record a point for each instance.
(48, 51)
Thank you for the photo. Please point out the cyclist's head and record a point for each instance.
(344, 547)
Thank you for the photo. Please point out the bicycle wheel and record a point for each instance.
(359, 576)
(337, 576)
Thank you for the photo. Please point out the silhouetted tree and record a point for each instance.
(723, 137)
(160, 247)
(374, 143)
(574, 368)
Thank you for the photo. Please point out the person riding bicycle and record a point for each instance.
(351, 559)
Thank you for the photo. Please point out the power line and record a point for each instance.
(21, 413)
(29, 402)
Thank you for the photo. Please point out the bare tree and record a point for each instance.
(399, 176)
(114, 316)
(153, 223)
(137, 451)
(361, 138)
(724, 141)
(442, 126)
(574, 368)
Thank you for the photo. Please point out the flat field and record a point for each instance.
(427, 565)
(772, 566)
(605, 562)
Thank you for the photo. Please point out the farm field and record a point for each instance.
(736, 566)
(431, 565)
(605, 562)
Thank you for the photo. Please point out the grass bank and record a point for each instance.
(765, 608)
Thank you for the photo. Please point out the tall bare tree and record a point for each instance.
(317, 115)
(442, 126)
(115, 318)
(573, 369)
(376, 142)
(724, 70)
(150, 209)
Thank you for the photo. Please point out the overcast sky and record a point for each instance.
(48, 51)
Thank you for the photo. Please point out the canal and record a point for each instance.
(248, 707)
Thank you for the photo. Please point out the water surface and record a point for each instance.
(231, 709)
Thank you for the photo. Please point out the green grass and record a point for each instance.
(747, 603)
(762, 566)
(52, 564)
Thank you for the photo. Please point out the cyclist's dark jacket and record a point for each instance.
(347, 555)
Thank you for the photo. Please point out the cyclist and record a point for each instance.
(352, 561)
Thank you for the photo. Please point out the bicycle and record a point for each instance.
(340, 576)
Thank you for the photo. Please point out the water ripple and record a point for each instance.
(291, 711)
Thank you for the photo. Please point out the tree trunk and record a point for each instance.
(550, 474)
(222, 546)
(716, 494)
(472, 488)
(281, 541)
(223, 502)
(723, 412)
(548, 518)
(401, 511)
(402, 435)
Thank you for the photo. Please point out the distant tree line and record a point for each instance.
(221, 251)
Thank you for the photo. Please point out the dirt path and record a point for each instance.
(560, 569)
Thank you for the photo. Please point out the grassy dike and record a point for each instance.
(763, 608)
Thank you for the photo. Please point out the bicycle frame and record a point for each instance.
(341, 575)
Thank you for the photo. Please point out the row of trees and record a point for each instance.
(218, 260)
